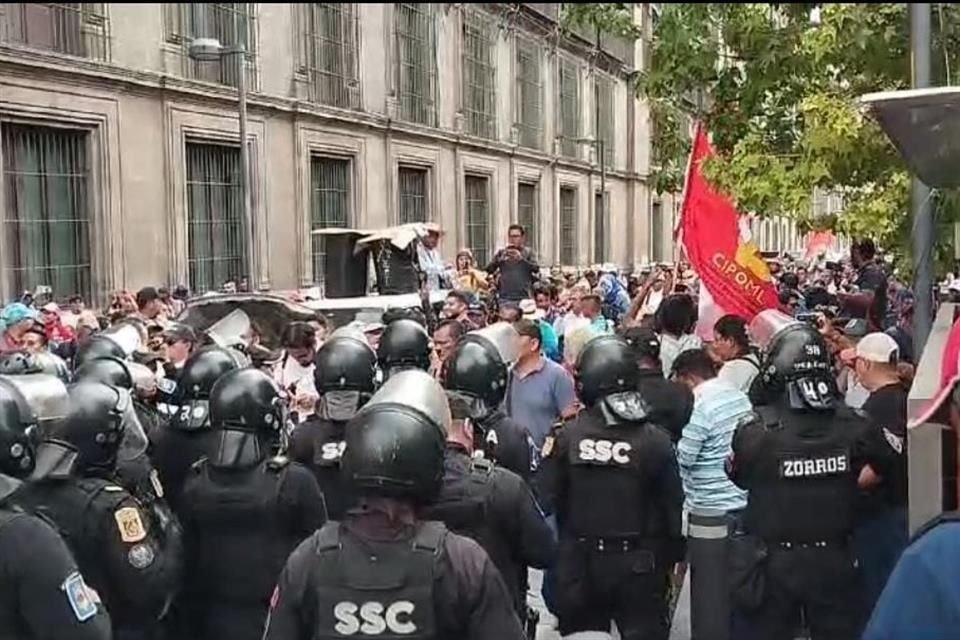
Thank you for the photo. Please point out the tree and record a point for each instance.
(778, 87)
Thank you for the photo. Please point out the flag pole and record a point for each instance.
(684, 194)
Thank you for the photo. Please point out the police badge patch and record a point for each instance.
(78, 595)
(129, 524)
(895, 441)
(140, 556)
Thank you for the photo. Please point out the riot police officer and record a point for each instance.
(128, 562)
(186, 436)
(42, 593)
(492, 505)
(99, 346)
(383, 570)
(344, 376)
(800, 459)
(17, 363)
(477, 368)
(404, 344)
(244, 509)
(614, 480)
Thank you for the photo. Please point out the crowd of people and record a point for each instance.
(568, 420)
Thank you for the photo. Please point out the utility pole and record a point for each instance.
(921, 209)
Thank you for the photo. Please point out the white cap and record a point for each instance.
(878, 347)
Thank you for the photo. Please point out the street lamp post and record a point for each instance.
(211, 50)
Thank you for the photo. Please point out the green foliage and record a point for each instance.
(611, 18)
(778, 87)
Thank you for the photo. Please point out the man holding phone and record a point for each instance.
(516, 266)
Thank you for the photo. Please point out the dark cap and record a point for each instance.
(644, 342)
(180, 332)
(146, 295)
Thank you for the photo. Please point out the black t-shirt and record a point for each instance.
(887, 410)
(872, 278)
(516, 275)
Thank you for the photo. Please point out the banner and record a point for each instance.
(728, 262)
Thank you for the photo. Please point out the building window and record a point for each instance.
(568, 99)
(416, 63)
(604, 127)
(568, 226)
(329, 36)
(329, 204)
(216, 251)
(601, 219)
(529, 93)
(234, 25)
(478, 217)
(527, 215)
(656, 232)
(412, 190)
(479, 74)
(79, 29)
(46, 220)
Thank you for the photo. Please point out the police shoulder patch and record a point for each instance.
(895, 441)
(81, 597)
(547, 446)
(130, 524)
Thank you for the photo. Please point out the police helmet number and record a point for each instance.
(604, 451)
(333, 450)
(373, 618)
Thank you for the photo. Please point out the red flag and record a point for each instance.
(731, 268)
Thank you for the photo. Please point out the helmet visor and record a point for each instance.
(767, 324)
(134, 442)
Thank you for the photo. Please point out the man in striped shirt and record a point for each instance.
(705, 444)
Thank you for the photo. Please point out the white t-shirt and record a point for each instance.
(740, 372)
(290, 372)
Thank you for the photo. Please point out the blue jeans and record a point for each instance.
(877, 543)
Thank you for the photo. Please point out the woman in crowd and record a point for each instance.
(469, 278)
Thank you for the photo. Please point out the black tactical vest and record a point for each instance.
(608, 494)
(383, 590)
(241, 538)
(10, 622)
(78, 509)
(327, 439)
(804, 486)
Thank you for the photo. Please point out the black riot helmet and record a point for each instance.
(395, 443)
(246, 408)
(17, 420)
(404, 344)
(606, 365)
(97, 347)
(796, 362)
(345, 362)
(111, 371)
(94, 425)
(478, 366)
(16, 363)
(200, 373)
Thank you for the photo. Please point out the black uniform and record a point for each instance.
(382, 571)
(494, 506)
(42, 593)
(242, 512)
(799, 459)
(318, 445)
(507, 443)
(615, 483)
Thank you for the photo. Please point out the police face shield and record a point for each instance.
(501, 336)
(416, 390)
(134, 443)
(351, 332)
(767, 324)
(233, 331)
(45, 402)
(144, 380)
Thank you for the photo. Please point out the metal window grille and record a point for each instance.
(656, 232)
(233, 24)
(604, 128)
(529, 93)
(330, 36)
(46, 218)
(412, 190)
(527, 215)
(479, 74)
(568, 226)
(600, 224)
(216, 251)
(568, 99)
(478, 217)
(416, 64)
(329, 204)
(78, 29)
